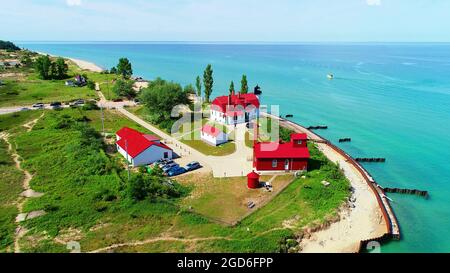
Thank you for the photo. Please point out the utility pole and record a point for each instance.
(128, 162)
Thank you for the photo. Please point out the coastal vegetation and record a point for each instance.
(244, 85)
(124, 68)
(49, 70)
(159, 98)
(208, 82)
(9, 46)
(198, 85)
(124, 88)
(231, 87)
(24, 86)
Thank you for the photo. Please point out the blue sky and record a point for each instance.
(226, 20)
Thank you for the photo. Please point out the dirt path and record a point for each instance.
(28, 192)
(30, 125)
(154, 240)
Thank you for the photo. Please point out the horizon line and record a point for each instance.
(232, 42)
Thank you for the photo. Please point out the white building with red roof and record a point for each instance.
(213, 135)
(141, 149)
(235, 109)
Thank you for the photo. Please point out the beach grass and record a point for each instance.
(10, 188)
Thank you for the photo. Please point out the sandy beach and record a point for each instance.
(364, 221)
(85, 65)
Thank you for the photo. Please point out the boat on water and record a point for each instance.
(330, 76)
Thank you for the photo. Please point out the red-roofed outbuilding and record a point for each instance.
(275, 156)
(213, 136)
(141, 149)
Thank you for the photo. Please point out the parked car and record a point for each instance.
(79, 102)
(168, 167)
(163, 162)
(193, 166)
(53, 104)
(176, 171)
(38, 105)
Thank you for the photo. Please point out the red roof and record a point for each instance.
(152, 138)
(135, 142)
(211, 130)
(277, 150)
(299, 137)
(242, 100)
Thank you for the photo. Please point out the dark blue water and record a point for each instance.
(392, 100)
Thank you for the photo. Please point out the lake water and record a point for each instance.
(393, 100)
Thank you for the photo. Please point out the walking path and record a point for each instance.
(28, 192)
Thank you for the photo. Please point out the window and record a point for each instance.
(166, 155)
(299, 142)
(274, 163)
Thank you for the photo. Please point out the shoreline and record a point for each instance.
(371, 219)
(84, 65)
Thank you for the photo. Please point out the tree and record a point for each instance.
(113, 70)
(161, 96)
(124, 68)
(231, 88)
(9, 46)
(208, 82)
(61, 68)
(43, 66)
(189, 89)
(198, 84)
(244, 85)
(124, 88)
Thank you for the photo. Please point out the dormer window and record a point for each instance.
(299, 142)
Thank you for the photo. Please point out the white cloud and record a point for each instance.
(72, 3)
(373, 2)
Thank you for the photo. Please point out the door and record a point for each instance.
(287, 165)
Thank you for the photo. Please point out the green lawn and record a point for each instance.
(231, 195)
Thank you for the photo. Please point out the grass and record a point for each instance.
(22, 86)
(231, 195)
(85, 200)
(10, 188)
(199, 145)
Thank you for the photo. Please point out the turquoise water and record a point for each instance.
(392, 100)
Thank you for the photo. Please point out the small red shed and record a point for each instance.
(253, 180)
